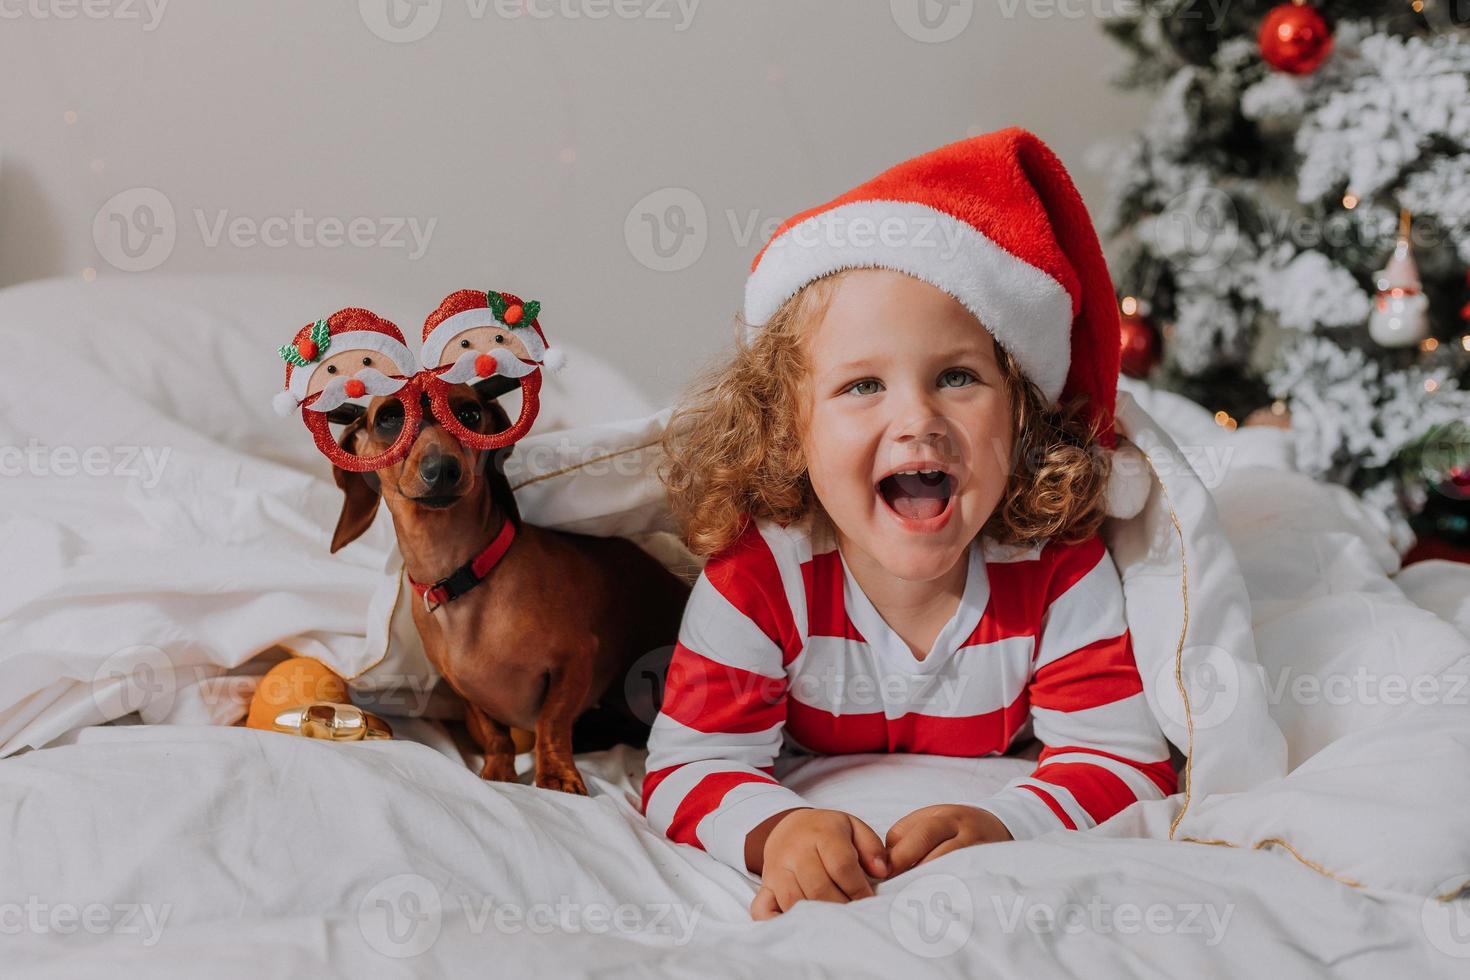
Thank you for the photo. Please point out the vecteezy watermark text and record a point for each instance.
(402, 916)
(37, 917)
(142, 463)
(148, 12)
(405, 21)
(136, 230)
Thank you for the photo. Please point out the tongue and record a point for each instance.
(915, 497)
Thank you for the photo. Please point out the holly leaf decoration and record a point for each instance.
(291, 355)
(498, 305)
(321, 339)
(321, 335)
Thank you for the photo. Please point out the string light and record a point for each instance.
(1129, 306)
(1429, 345)
(1224, 421)
(1350, 200)
(1430, 385)
(1465, 341)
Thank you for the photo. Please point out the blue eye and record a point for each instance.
(867, 386)
(957, 378)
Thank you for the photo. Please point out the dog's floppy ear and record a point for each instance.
(359, 494)
(500, 491)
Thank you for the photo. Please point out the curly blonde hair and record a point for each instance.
(733, 447)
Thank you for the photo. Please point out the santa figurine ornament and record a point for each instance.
(476, 335)
(353, 353)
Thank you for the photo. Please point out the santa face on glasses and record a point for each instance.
(483, 352)
(354, 353)
(477, 335)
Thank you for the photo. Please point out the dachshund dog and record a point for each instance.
(551, 630)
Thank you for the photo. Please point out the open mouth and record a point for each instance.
(918, 494)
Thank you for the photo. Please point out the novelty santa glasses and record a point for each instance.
(492, 341)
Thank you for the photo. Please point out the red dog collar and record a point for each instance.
(468, 575)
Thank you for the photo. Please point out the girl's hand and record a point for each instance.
(931, 831)
(824, 855)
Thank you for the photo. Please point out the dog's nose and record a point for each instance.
(439, 470)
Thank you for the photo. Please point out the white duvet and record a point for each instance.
(179, 848)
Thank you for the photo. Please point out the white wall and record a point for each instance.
(524, 144)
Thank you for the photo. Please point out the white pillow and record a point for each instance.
(1382, 807)
(1178, 568)
(1370, 690)
(1341, 645)
(1442, 587)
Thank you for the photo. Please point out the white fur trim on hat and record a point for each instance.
(1129, 481)
(354, 340)
(1027, 311)
(440, 336)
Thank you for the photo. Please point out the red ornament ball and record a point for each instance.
(1142, 346)
(1294, 38)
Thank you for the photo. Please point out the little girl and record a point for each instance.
(899, 481)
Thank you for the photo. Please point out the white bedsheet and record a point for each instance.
(175, 850)
(226, 853)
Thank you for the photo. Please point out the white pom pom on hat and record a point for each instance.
(1129, 483)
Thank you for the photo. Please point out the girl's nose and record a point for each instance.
(916, 417)
(927, 428)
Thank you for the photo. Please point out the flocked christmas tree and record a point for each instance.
(1290, 231)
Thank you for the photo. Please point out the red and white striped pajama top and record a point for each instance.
(779, 644)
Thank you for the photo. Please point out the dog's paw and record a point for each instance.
(563, 781)
(499, 770)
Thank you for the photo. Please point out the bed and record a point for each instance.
(167, 539)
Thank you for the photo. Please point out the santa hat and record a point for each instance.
(349, 329)
(466, 309)
(996, 222)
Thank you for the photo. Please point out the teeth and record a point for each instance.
(916, 472)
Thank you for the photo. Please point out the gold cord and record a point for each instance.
(1269, 841)
(1179, 650)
